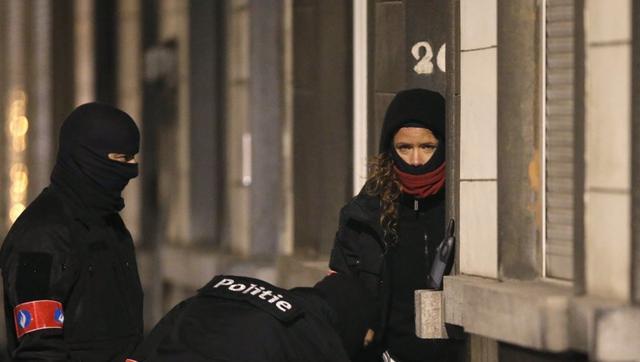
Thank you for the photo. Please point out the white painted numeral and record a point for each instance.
(441, 59)
(425, 64)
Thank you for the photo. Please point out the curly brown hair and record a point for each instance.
(383, 183)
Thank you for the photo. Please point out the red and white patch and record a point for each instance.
(36, 315)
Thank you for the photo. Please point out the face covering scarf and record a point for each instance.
(423, 185)
(421, 181)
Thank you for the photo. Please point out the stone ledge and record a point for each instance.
(529, 314)
(622, 327)
(607, 330)
(543, 315)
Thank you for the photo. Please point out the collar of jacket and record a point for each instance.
(421, 204)
(76, 209)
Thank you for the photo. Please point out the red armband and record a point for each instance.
(36, 315)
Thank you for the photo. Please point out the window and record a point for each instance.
(559, 138)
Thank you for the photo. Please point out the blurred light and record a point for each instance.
(18, 144)
(19, 181)
(17, 171)
(15, 212)
(17, 127)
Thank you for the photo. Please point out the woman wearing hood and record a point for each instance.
(389, 232)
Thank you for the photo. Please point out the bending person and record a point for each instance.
(248, 320)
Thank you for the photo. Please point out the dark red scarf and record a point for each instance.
(422, 185)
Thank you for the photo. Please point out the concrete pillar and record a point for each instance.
(42, 149)
(520, 211)
(254, 121)
(478, 237)
(287, 235)
(236, 223)
(3, 98)
(174, 142)
(453, 121)
(635, 154)
(265, 117)
(63, 63)
(579, 283)
(84, 51)
(608, 149)
(206, 103)
(322, 133)
(129, 97)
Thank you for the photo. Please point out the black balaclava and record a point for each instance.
(354, 307)
(87, 136)
(415, 108)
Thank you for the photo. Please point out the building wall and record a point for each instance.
(635, 149)
(608, 164)
(478, 138)
(322, 122)
(408, 50)
(501, 143)
(237, 229)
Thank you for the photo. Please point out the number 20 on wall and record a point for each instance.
(425, 62)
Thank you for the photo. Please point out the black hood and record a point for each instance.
(415, 108)
(87, 136)
(354, 307)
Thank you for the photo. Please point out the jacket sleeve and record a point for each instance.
(37, 267)
(344, 256)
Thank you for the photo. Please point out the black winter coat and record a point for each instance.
(61, 251)
(231, 326)
(359, 249)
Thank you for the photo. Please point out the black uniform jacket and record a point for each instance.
(224, 325)
(59, 250)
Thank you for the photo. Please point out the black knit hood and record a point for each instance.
(415, 108)
(87, 136)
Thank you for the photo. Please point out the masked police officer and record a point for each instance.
(248, 320)
(71, 284)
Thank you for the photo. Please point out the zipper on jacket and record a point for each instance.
(426, 245)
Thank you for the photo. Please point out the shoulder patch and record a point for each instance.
(271, 299)
(33, 275)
